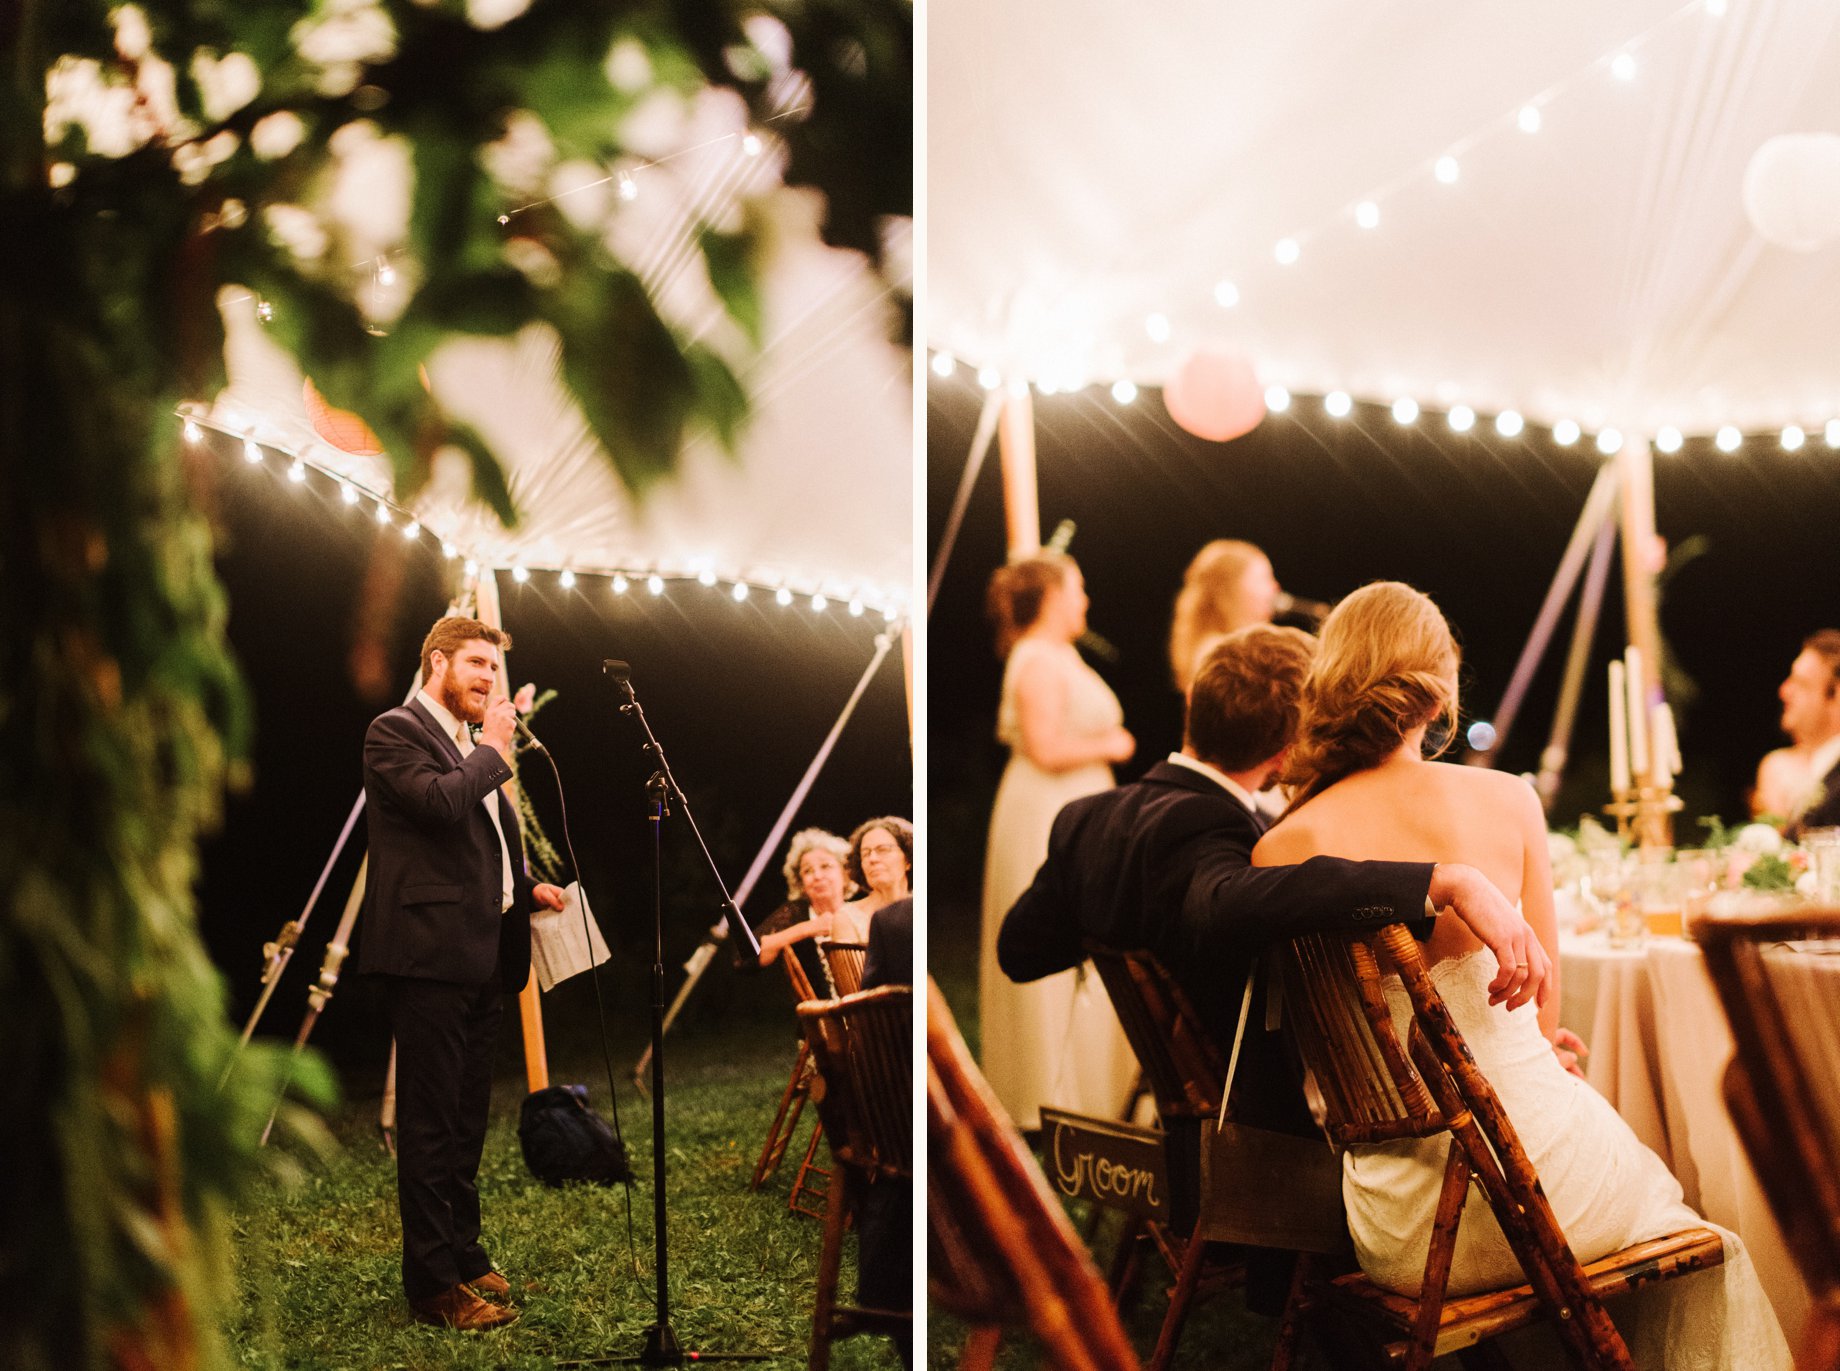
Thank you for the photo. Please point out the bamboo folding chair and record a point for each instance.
(846, 963)
(1185, 1071)
(863, 1047)
(1336, 1012)
(1778, 976)
(812, 1179)
(1000, 1250)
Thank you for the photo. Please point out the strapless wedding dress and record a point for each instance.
(1607, 1191)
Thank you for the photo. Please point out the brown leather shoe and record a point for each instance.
(491, 1286)
(461, 1308)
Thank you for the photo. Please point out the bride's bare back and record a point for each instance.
(1407, 809)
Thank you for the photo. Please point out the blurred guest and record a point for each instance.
(1808, 795)
(817, 884)
(885, 1219)
(1229, 585)
(890, 960)
(882, 861)
(1055, 1040)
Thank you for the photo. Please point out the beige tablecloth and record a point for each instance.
(1659, 1046)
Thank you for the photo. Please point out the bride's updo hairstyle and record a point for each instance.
(1386, 664)
(1017, 592)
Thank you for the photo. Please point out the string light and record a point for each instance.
(265, 311)
(1367, 214)
(297, 473)
(782, 596)
(943, 365)
(1277, 399)
(448, 550)
(856, 608)
(1566, 432)
(1609, 442)
(1509, 423)
(386, 275)
(1405, 410)
(383, 515)
(1728, 439)
(1668, 439)
(655, 584)
(411, 531)
(706, 577)
(819, 604)
(348, 492)
(888, 615)
(1287, 252)
(1716, 8)
(740, 592)
(567, 579)
(1338, 404)
(750, 145)
(504, 218)
(629, 188)
(1623, 67)
(251, 453)
(1528, 119)
(193, 434)
(1226, 294)
(1446, 170)
(1462, 419)
(1832, 433)
(472, 568)
(1124, 391)
(1157, 326)
(520, 573)
(619, 584)
(1793, 438)
(989, 377)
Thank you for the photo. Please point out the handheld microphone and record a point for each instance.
(1287, 603)
(530, 737)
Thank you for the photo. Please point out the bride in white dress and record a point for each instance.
(1385, 671)
(1056, 1040)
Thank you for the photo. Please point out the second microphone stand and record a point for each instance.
(661, 1345)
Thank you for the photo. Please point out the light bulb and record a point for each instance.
(1716, 8)
(1337, 403)
(1565, 432)
(1609, 441)
(1832, 433)
(740, 592)
(1728, 439)
(655, 584)
(619, 584)
(1287, 252)
(943, 364)
(782, 596)
(1462, 419)
(297, 473)
(383, 515)
(1446, 170)
(1226, 294)
(348, 493)
(1508, 423)
(251, 453)
(989, 378)
(1668, 439)
(856, 609)
(706, 577)
(386, 275)
(1157, 326)
(1124, 392)
(750, 145)
(448, 550)
(1405, 409)
(520, 574)
(1528, 119)
(1277, 399)
(567, 579)
(819, 603)
(629, 188)
(265, 311)
(1367, 214)
(193, 434)
(1623, 67)
(472, 567)
(888, 615)
(411, 531)
(1793, 438)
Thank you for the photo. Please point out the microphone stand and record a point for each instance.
(661, 1345)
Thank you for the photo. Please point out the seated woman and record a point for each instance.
(881, 859)
(816, 887)
(1385, 672)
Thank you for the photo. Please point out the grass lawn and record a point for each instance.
(318, 1260)
(1220, 1335)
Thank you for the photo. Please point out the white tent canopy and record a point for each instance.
(819, 498)
(1103, 177)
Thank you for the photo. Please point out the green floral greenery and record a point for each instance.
(122, 715)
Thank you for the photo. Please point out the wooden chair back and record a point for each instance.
(1377, 1088)
(1778, 975)
(795, 975)
(1181, 1062)
(846, 964)
(863, 1045)
(1000, 1250)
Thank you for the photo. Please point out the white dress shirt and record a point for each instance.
(463, 739)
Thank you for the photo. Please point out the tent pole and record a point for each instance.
(907, 676)
(974, 463)
(1016, 449)
(1584, 632)
(1635, 464)
(1599, 510)
(718, 932)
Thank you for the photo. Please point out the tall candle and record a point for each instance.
(1666, 746)
(1619, 730)
(1636, 684)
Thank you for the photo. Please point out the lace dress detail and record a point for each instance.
(1607, 1191)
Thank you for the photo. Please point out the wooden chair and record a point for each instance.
(1778, 976)
(846, 963)
(1337, 1013)
(1000, 1251)
(812, 1179)
(1185, 1070)
(863, 1046)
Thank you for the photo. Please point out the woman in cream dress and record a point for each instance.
(1054, 1041)
(1386, 670)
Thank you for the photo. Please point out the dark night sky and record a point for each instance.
(1477, 521)
(740, 695)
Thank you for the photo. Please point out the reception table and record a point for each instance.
(1659, 1046)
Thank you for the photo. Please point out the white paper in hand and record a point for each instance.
(559, 946)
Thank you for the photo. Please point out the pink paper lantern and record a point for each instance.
(1215, 394)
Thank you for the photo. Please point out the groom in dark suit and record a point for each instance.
(1164, 864)
(446, 930)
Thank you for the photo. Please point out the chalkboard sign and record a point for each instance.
(1118, 1165)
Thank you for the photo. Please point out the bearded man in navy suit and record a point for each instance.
(446, 930)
